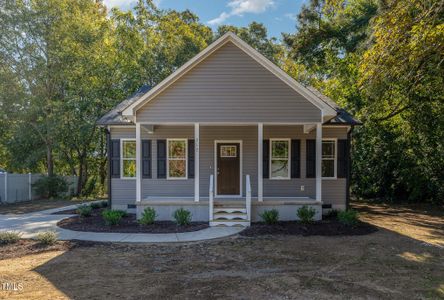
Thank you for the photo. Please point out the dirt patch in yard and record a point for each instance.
(28, 247)
(326, 227)
(128, 224)
(383, 265)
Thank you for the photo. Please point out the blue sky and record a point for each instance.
(277, 15)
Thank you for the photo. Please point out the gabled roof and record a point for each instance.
(230, 37)
(124, 113)
(114, 117)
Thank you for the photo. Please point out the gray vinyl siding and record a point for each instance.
(333, 191)
(210, 134)
(229, 86)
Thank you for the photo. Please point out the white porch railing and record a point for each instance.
(211, 197)
(248, 194)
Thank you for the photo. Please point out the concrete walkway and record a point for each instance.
(31, 224)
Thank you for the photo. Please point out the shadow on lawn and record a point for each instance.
(380, 265)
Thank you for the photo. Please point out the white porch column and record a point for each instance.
(138, 163)
(260, 139)
(319, 162)
(196, 162)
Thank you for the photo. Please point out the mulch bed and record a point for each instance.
(129, 224)
(328, 227)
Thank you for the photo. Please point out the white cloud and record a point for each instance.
(291, 16)
(122, 4)
(239, 7)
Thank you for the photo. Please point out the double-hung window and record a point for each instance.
(177, 158)
(329, 158)
(279, 158)
(128, 158)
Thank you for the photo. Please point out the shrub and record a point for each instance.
(51, 186)
(9, 237)
(96, 205)
(306, 214)
(84, 210)
(47, 237)
(122, 213)
(348, 217)
(104, 204)
(148, 216)
(112, 217)
(332, 213)
(270, 216)
(182, 217)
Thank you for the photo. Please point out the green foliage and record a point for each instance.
(182, 217)
(47, 238)
(270, 216)
(306, 214)
(50, 186)
(112, 217)
(84, 210)
(349, 217)
(104, 204)
(332, 213)
(9, 237)
(96, 205)
(148, 216)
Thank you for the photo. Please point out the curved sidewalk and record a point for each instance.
(31, 224)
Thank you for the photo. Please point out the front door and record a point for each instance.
(228, 169)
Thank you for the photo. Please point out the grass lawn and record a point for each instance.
(389, 264)
(36, 205)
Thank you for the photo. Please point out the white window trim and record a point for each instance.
(168, 159)
(271, 158)
(122, 159)
(335, 159)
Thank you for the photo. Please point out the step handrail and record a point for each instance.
(248, 198)
(211, 197)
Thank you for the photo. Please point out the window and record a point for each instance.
(228, 151)
(177, 159)
(128, 158)
(280, 159)
(329, 159)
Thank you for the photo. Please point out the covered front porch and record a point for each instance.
(208, 144)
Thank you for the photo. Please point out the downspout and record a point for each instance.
(108, 155)
(349, 163)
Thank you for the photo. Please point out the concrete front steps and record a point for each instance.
(230, 215)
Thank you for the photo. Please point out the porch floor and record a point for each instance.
(164, 200)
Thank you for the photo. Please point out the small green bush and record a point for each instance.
(306, 214)
(47, 237)
(182, 217)
(332, 213)
(84, 210)
(122, 213)
(51, 186)
(104, 204)
(348, 217)
(112, 217)
(96, 205)
(9, 237)
(270, 216)
(148, 216)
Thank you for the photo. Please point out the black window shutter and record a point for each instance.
(146, 158)
(115, 158)
(342, 158)
(295, 158)
(266, 159)
(311, 158)
(161, 158)
(191, 158)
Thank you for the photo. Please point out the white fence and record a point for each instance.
(18, 187)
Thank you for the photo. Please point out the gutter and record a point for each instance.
(108, 154)
(349, 167)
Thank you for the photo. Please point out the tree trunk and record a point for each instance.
(49, 161)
